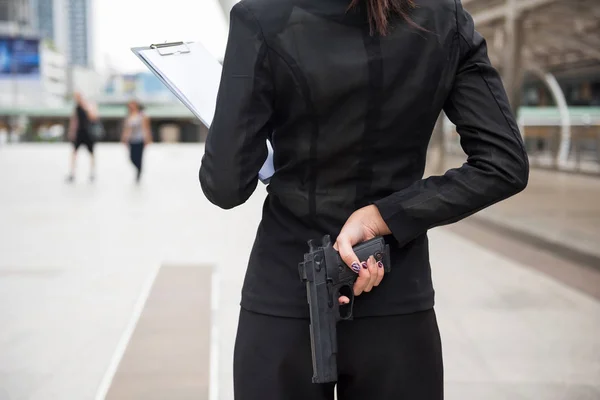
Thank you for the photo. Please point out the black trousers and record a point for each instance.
(380, 358)
(136, 153)
(84, 139)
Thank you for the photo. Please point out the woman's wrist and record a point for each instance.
(381, 226)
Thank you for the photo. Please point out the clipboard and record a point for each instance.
(193, 75)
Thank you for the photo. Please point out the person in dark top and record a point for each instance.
(349, 93)
(80, 133)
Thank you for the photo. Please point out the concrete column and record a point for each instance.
(513, 54)
(565, 117)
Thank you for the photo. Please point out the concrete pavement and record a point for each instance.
(75, 262)
(557, 210)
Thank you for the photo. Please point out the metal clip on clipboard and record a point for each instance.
(168, 49)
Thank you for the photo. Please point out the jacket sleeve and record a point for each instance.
(236, 146)
(497, 166)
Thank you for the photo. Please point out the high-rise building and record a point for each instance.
(44, 10)
(80, 32)
(4, 11)
(16, 17)
(68, 23)
(52, 23)
(30, 74)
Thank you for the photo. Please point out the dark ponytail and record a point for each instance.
(380, 12)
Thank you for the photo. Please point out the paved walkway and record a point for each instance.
(560, 209)
(75, 262)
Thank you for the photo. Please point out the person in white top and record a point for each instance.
(136, 134)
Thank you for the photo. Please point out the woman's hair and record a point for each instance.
(380, 12)
(138, 105)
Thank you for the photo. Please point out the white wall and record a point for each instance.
(227, 5)
(16, 93)
(9, 28)
(87, 81)
(54, 77)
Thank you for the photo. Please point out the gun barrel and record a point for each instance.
(323, 334)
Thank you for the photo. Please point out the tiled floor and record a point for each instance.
(74, 260)
(168, 354)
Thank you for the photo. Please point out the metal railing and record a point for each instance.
(546, 142)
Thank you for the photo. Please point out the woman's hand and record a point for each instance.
(147, 130)
(126, 132)
(364, 224)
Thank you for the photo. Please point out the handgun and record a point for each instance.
(325, 274)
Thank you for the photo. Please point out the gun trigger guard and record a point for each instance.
(350, 306)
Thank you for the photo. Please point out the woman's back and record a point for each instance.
(83, 121)
(355, 111)
(350, 115)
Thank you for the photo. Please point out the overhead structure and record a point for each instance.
(559, 34)
(539, 36)
(543, 37)
(555, 35)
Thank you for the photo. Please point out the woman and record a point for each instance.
(79, 133)
(349, 94)
(137, 134)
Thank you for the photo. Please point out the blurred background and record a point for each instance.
(114, 290)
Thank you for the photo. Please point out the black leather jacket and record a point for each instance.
(350, 116)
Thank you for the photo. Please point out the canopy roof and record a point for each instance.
(557, 35)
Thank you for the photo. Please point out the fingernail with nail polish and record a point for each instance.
(364, 265)
(379, 264)
(355, 267)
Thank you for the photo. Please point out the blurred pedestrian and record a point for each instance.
(137, 134)
(79, 133)
(348, 93)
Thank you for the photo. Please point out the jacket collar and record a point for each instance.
(336, 10)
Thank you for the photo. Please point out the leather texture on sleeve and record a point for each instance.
(497, 166)
(236, 143)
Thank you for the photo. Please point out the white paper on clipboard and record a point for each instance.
(193, 75)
